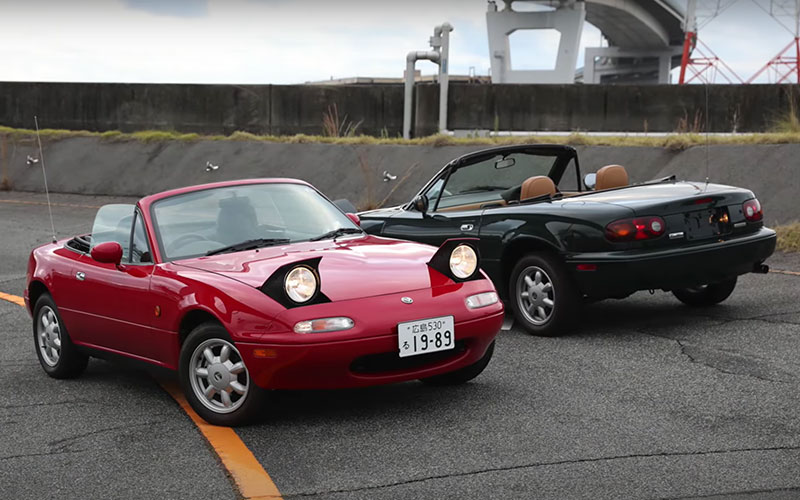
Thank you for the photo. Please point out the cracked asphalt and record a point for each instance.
(649, 399)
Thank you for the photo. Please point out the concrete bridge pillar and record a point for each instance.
(567, 19)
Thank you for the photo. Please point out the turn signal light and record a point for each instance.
(752, 210)
(323, 325)
(482, 300)
(643, 228)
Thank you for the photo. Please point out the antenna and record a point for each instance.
(708, 161)
(44, 174)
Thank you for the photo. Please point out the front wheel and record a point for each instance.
(542, 295)
(59, 357)
(706, 295)
(215, 380)
(463, 375)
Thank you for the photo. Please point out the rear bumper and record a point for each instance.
(622, 273)
(346, 363)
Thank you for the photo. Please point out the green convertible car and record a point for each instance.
(552, 241)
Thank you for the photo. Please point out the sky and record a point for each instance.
(293, 41)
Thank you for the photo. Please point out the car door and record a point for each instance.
(432, 228)
(115, 302)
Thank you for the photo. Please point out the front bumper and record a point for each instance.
(618, 274)
(347, 363)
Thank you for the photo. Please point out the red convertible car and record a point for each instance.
(259, 284)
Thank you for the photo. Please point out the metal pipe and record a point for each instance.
(411, 59)
(444, 75)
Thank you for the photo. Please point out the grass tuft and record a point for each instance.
(788, 237)
(672, 141)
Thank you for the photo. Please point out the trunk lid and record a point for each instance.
(692, 211)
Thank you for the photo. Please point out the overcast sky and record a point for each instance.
(289, 41)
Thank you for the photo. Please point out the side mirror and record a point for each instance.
(590, 181)
(109, 252)
(421, 204)
(355, 218)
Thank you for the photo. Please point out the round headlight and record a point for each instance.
(463, 261)
(300, 284)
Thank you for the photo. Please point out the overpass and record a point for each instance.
(644, 39)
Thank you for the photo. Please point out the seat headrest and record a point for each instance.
(611, 176)
(536, 186)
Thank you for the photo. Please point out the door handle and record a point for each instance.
(467, 227)
(80, 275)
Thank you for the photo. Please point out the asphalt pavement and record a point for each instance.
(648, 399)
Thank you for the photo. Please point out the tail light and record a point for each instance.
(643, 228)
(752, 210)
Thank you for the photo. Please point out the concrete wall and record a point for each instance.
(293, 109)
(96, 166)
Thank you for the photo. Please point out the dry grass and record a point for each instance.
(672, 141)
(332, 126)
(789, 237)
(789, 121)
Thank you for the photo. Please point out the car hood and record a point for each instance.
(349, 268)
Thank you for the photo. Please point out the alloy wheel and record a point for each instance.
(535, 295)
(48, 335)
(218, 376)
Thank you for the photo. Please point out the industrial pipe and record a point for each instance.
(411, 60)
(444, 77)
(440, 41)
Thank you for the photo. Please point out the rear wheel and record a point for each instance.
(706, 295)
(465, 374)
(215, 380)
(542, 295)
(59, 357)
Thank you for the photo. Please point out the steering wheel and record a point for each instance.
(186, 239)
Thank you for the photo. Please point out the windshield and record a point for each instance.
(193, 224)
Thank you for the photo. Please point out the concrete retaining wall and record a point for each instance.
(378, 109)
(102, 167)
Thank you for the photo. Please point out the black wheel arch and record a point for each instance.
(35, 290)
(515, 250)
(191, 320)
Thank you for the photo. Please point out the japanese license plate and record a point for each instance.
(426, 335)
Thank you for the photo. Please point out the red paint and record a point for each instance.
(109, 252)
(112, 309)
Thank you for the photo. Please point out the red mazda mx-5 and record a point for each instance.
(259, 284)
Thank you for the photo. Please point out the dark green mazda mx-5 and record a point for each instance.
(551, 242)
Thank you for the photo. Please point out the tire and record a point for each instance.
(59, 357)
(235, 399)
(543, 296)
(463, 375)
(706, 295)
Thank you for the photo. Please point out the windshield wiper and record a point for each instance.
(249, 245)
(337, 232)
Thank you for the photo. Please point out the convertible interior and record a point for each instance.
(534, 188)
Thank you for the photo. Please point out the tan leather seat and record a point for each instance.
(539, 185)
(611, 176)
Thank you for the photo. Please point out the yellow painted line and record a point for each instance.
(13, 299)
(781, 271)
(71, 205)
(250, 478)
(248, 475)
